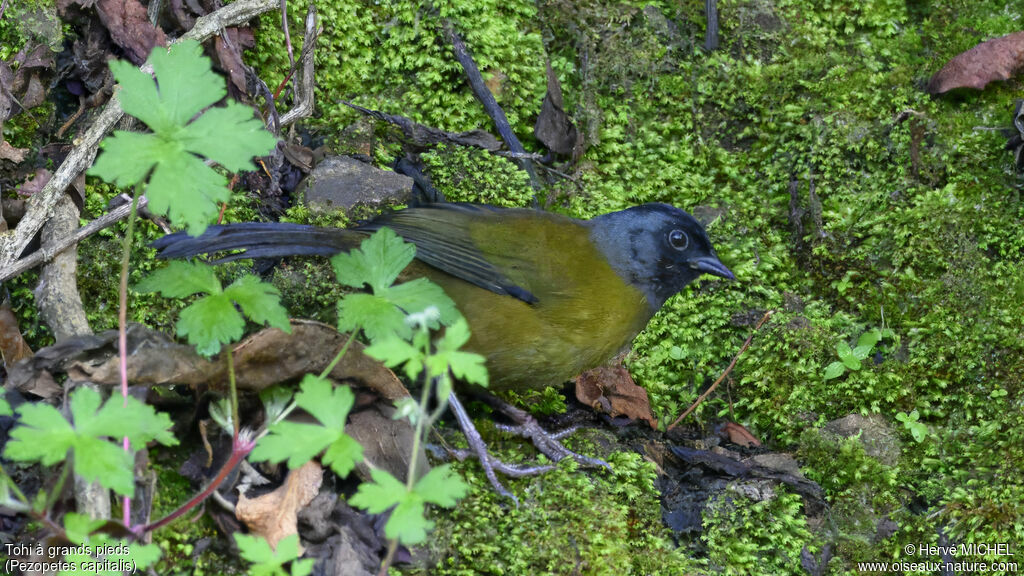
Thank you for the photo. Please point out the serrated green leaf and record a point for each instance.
(377, 262)
(130, 418)
(418, 295)
(100, 461)
(42, 435)
(5, 408)
(300, 442)
(294, 442)
(382, 493)
(377, 317)
(266, 560)
(209, 323)
(138, 95)
(180, 279)
(466, 366)
(408, 522)
(343, 454)
(394, 351)
(45, 436)
(441, 486)
(190, 202)
(128, 157)
(230, 136)
(327, 403)
(260, 301)
(834, 370)
(186, 81)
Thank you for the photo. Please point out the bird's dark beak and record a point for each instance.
(711, 265)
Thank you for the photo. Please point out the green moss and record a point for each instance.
(567, 522)
(392, 56)
(766, 537)
(474, 175)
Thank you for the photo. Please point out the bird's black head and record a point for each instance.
(657, 248)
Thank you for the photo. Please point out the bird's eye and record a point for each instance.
(678, 239)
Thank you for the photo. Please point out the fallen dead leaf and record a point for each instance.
(229, 54)
(554, 128)
(129, 28)
(8, 152)
(12, 346)
(275, 515)
(266, 358)
(997, 59)
(611, 389)
(739, 435)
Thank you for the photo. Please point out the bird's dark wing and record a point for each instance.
(446, 237)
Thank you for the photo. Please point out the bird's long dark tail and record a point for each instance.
(259, 240)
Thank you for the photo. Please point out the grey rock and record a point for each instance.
(343, 183)
(878, 439)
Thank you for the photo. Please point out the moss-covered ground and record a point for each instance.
(844, 198)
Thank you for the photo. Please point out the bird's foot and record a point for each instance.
(489, 463)
(527, 427)
(549, 443)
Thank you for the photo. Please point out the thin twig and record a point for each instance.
(732, 365)
(46, 254)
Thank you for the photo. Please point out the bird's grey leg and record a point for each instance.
(546, 442)
(489, 463)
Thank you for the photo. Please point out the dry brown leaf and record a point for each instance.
(129, 28)
(229, 54)
(8, 152)
(275, 515)
(739, 435)
(266, 358)
(12, 346)
(997, 59)
(611, 389)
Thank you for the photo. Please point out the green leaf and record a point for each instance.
(466, 366)
(378, 317)
(441, 486)
(260, 301)
(844, 351)
(869, 338)
(43, 435)
(395, 351)
(210, 322)
(299, 443)
(420, 294)
(183, 86)
(834, 370)
(234, 150)
(268, 561)
(861, 352)
(327, 403)
(5, 408)
(408, 522)
(382, 493)
(377, 262)
(46, 437)
(180, 279)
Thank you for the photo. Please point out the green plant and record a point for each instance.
(850, 358)
(910, 421)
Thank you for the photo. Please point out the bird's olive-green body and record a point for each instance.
(546, 296)
(584, 312)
